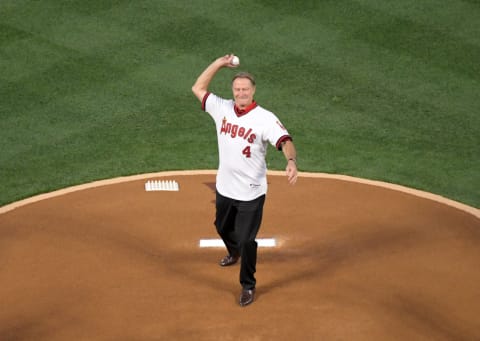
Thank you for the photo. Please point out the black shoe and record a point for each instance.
(247, 297)
(228, 260)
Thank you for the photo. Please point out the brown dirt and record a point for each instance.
(355, 261)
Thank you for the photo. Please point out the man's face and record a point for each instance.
(243, 92)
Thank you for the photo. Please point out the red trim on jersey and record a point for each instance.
(204, 100)
(241, 112)
(283, 139)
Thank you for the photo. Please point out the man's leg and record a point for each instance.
(247, 225)
(225, 223)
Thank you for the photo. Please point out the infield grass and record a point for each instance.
(382, 90)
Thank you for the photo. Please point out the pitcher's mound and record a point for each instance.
(351, 261)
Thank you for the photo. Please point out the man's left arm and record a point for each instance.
(288, 149)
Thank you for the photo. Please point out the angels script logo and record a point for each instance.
(234, 130)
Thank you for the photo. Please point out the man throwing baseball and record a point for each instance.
(244, 130)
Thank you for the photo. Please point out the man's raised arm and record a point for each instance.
(200, 88)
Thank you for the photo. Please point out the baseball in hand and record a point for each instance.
(235, 61)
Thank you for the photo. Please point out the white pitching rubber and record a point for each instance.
(262, 242)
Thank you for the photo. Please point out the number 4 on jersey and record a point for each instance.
(246, 151)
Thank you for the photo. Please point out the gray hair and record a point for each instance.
(246, 75)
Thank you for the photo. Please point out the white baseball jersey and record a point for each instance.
(242, 146)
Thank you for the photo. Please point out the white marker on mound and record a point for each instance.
(262, 242)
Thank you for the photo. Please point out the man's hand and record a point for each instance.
(290, 153)
(226, 61)
(292, 171)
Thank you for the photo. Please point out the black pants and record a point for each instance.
(237, 223)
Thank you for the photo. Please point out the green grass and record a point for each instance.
(383, 90)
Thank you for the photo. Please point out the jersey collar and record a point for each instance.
(241, 112)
